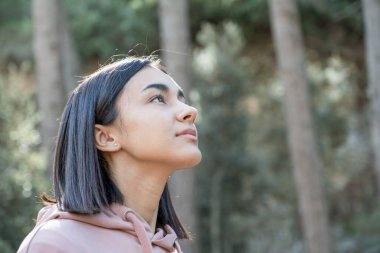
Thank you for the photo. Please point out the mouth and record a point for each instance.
(188, 133)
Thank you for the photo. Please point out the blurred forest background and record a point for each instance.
(288, 117)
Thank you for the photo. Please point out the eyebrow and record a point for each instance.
(164, 88)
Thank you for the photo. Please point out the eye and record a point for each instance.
(159, 99)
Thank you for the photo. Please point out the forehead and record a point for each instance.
(150, 75)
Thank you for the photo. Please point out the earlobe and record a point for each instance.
(104, 140)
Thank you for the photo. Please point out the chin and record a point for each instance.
(191, 160)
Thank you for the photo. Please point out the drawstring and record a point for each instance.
(178, 247)
(141, 233)
(143, 236)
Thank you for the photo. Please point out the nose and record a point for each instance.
(188, 113)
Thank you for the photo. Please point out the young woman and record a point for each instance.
(125, 129)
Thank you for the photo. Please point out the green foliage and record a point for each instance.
(222, 82)
(367, 231)
(246, 194)
(15, 31)
(249, 15)
(100, 28)
(105, 28)
(21, 163)
(344, 139)
(245, 181)
(346, 12)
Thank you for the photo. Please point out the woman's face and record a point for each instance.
(155, 124)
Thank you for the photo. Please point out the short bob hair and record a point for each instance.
(82, 181)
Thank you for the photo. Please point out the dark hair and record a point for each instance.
(82, 182)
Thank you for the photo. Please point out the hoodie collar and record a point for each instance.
(120, 218)
(165, 238)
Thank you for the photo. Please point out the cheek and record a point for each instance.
(150, 126)
(146, 133)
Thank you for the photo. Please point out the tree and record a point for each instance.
(176, 52)
(70, 59)
(371, 9)
(51, 48)
(21, 162)
(224, 178)
(302, 144)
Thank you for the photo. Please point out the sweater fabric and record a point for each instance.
(118, 230)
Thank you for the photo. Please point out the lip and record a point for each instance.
(190, 133)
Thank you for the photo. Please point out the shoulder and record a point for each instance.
(69, 236)
(51, 236)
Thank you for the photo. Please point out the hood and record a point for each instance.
(119, 218)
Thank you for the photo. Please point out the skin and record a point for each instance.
(146, 143)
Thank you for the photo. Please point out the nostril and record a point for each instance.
(188, 113)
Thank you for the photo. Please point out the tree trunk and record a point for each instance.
(70, 59)
(302, 144)
(176, 52)
(371, 9)
(175, 39)
(48, 67)
(318, 4)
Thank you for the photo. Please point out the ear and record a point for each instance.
(104, 139)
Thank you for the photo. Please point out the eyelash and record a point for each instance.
(160, 98)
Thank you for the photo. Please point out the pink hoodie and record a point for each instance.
(121, 230)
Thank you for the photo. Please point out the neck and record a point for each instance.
(143, 195)
(141, 186)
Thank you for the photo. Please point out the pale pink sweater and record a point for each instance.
(120, 230)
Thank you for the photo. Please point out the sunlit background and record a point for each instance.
(244, 197)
